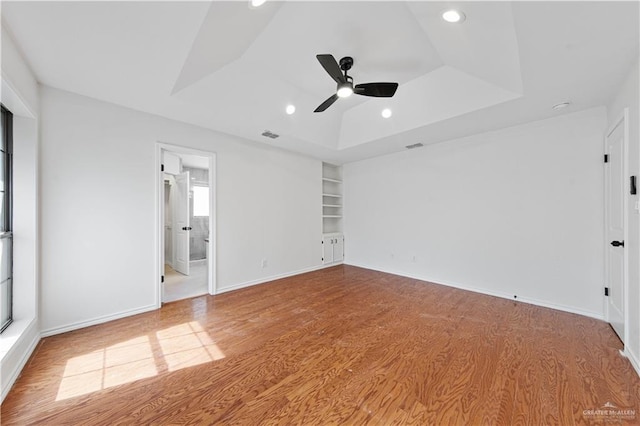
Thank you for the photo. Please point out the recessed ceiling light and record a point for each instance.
(291, 109)
(561, 105)
(386, 113)
(453, 16)
(257, 3)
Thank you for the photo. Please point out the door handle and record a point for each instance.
(187, 228)
(617, 243)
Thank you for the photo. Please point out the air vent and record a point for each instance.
(270, 134)
(415, 145)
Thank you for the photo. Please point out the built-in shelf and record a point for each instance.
(332, 203)
(326, 179)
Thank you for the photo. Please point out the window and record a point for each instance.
(6, 236)
(200, 201)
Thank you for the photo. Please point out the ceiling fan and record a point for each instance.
(345, 82)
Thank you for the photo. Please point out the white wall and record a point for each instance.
(627, 96)
(98, 209)
(517, 211)
(20, 95)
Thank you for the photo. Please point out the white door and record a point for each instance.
(182, 228)
(327, 250)
(338, 248)
(615, 225)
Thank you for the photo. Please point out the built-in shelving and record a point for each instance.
(331, 180)
(331, 199)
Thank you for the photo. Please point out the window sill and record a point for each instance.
(10, 337)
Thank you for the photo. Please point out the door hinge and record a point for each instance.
(606, 291)
(632, 185)
(162, 167)
(162, 278)
(606, 158)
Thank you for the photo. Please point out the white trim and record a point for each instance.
(14, 101)
(95, 321)
(274, 277)
(501, 295)
(32, 328)
(633, 359)
(159, 217)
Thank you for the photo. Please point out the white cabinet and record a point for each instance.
(332, 248)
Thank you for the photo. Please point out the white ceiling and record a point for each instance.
(233, 68)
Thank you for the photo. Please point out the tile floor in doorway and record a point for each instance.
(178, 286)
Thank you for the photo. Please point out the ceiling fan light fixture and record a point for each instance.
(338, 72)
(344, 90)
(290, 109)
(453, 16)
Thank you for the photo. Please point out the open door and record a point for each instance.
(615, 211)
(181, 220)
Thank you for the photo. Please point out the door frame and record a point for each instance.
(622, 119)
(159, 219)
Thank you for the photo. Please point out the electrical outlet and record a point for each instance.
(264, 263)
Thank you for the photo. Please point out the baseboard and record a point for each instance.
(633, 359)
(98, 320)
(107, 318)
(501, 295)
(273, 278)
(29, 339)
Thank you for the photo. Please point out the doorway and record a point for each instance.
(616, 226)
(186, 218)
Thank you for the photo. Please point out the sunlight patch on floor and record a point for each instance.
(104, 368)
(180, 346)
(186, 345)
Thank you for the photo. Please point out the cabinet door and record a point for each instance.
(327, 250)
(338, 248)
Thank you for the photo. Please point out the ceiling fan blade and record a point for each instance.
(326, 104)
(330, 65)
(379, 90)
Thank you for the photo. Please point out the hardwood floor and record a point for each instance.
(339, 346)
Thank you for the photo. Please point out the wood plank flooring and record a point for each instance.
(343, 345)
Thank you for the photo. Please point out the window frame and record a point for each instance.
(6, 148)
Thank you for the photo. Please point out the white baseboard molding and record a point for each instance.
(274, 277)
(501, 295)
(16, 358)
(95, 321)
(107, 318)
(633, 359)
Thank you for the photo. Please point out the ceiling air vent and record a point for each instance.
(270, 134)
(415, 145)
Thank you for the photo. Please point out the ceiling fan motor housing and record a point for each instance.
(346, 63)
